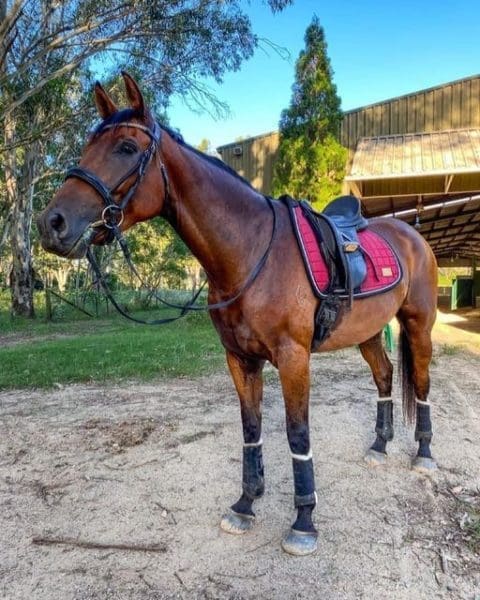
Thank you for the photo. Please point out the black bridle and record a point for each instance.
(113, 214)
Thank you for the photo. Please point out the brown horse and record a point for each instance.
(147, 171)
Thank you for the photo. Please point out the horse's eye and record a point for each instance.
(127, 147)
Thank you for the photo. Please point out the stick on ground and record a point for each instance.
(51, 541)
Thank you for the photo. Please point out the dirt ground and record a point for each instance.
(134, 480)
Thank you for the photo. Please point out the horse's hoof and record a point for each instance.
(374, 458)
(236, 523)
(300, 543)
(423, 464)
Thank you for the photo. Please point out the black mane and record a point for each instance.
(128, 114)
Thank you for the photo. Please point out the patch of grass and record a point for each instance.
(466, 517)
(472, 528)
(470, 521)
(270, 376)
(449, 350)
(110, 350)
(66, 316)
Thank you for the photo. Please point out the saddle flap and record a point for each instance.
(348, 254)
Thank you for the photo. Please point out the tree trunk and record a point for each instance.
(20, 197)
(21, 275)
(61, 274)
(19, 201)
(5, 234)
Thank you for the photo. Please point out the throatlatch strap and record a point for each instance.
(304, 481)
(253, 477)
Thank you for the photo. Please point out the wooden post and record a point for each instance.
(48, 304)
(48, 299)
(476, 283)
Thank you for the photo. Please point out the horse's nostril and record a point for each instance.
(57, 222)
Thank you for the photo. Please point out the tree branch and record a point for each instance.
(51, 541)
(10, 18)
(60, 42)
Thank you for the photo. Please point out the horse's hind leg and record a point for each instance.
(247, 377)
(416, 354)
(374, 353)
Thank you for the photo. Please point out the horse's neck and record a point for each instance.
(225, 223)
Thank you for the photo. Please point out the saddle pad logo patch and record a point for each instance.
(387, 272)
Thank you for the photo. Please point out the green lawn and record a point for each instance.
(106, 349)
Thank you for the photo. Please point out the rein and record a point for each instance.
(112, 217)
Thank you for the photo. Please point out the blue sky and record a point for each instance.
(377, 49)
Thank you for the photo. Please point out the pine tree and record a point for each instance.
(311, 161)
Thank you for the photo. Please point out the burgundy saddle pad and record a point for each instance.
(383, 268)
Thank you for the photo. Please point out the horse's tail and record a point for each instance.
(405, 365)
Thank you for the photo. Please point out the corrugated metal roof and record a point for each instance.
(416, 155)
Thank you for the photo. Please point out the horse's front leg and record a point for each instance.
(294, 369)
(247, 377)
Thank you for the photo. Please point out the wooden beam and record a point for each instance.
(356, 189)
(462, 229)
(438, 194)
(409, 202)
(462, 254)
(454, 242)
(454, 248)
(445, 259)
(441, 219)
(441, 241)
(448, 183)
(415, 175)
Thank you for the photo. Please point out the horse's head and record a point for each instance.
(113, 184)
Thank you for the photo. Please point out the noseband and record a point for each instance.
(113, 213)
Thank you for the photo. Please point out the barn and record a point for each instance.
(416, 157)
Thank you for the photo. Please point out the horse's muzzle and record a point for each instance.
(58, 237)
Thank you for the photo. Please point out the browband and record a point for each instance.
(154, 135)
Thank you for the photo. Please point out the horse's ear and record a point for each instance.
(105, 105)
(134, 94)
